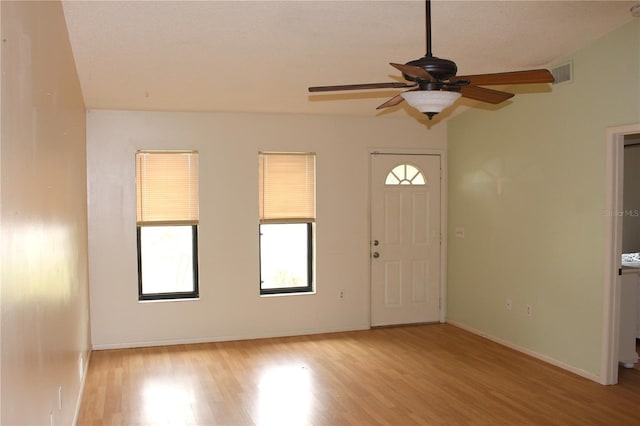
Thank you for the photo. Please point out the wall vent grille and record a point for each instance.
(563, 73)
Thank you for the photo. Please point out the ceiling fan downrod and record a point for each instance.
(438, 68)
(427, 19)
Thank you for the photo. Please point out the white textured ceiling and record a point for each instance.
(245, 56)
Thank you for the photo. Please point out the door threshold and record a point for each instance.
(412, 324)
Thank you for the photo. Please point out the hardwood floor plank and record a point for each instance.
(416, 375)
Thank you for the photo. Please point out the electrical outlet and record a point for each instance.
(80, 367)
(341, 294)
(508, 304)
(529, 310)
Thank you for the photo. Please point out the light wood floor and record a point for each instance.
(428, 375)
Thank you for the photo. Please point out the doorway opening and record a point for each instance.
(615, 330)
(407, 215)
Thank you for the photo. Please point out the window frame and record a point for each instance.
(291, 214)
(173, 294)
(403, 177)
(162, 215)
(310, 262)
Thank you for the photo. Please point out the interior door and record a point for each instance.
(405, 239)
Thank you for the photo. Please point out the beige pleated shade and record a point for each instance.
(167, 187)
(287, 187)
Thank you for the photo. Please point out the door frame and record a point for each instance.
(443, 217)
(613, 250)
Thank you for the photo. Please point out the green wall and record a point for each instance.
(527, 182)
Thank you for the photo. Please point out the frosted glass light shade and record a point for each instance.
(430, 101)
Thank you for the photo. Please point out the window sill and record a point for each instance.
(187, 299)
(293, 293)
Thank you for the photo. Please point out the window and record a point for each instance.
(167, 224)
(287, 219)
(405, 174)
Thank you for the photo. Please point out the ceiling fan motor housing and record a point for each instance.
(441, 69)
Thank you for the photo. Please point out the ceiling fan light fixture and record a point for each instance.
(430, 102)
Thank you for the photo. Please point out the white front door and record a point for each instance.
(405, 239)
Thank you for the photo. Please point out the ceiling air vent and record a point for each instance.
(562, 73)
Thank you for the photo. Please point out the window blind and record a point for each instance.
(287, 187)
(167, 187)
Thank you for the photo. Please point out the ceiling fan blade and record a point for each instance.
(485, 95)
(514, 77)
(390, 85)
(413, 71)
(391, 102)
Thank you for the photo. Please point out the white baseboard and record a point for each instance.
(76, 412)
(547, 359)
(213, 339)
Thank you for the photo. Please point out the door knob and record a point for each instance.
(376, 254)
(376, 242)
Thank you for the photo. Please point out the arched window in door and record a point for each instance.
(405, 174)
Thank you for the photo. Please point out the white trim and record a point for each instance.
(76, 412)
(229, 338)
(612, 251)
(443, 235)
(541, 357)
(443, 216)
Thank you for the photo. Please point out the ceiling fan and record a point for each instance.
(435, 86)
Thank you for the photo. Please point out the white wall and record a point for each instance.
(230, 306)
(44, 278)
